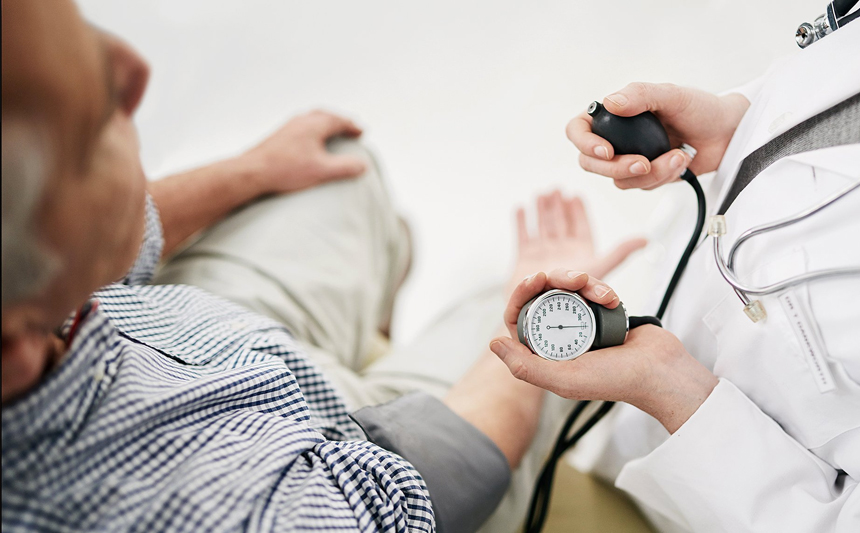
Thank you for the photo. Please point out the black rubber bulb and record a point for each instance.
(641, 134)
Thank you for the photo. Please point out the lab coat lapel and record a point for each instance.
(802, 86)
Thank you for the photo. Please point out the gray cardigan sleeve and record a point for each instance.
(466, 473)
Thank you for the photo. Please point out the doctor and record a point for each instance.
(734, 425)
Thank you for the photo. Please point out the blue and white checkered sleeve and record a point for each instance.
(150, 251)
(350, 486)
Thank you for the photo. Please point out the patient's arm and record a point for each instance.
(503, 408)
(291, 159)
(488, 395)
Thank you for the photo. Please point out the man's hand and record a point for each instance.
(563, 239)
(295, 157)
(291, 159)
(701, 119)
(652, 370)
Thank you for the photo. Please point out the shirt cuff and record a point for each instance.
(150, 250)
(465, 472)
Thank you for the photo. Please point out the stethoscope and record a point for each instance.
(644, 134)
(754, 309)
(835, 16)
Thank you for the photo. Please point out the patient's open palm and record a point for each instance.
(564, 240)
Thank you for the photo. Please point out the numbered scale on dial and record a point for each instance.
(560, 325)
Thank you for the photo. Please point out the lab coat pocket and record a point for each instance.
(832, 306)
(727, 322)
(761, 358)
(767, 362)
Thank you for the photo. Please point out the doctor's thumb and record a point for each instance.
(523, 364)
(639, 97)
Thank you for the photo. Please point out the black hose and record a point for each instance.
(540, 496)
(848, 18)
(690, 178)
(539, 505)
(842, 7)
(636, 321)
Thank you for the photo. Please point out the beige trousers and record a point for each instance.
(326, 263)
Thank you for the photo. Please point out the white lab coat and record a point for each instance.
(768, 450)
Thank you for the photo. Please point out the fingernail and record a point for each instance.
(601, 152)
(498, 348)
(638, 168)
(574, 274)
(529, 279)
(601, 291)
(677, 160)
(617, 99)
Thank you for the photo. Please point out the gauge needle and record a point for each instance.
(563, 327)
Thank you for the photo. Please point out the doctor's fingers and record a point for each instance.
(589, 287)
(621, 166)
(528, 367)
(589, 377)
(579, 132)
(665, 169)
(523, 292)
(638, 97)
(538, 283)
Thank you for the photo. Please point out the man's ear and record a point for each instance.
(27, 351)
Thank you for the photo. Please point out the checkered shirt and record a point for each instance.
(175, 410)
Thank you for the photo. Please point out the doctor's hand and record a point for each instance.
(563, 239)
(295, 157)
(701, 119)
(652, 370)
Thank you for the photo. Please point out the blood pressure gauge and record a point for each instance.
(560, 325)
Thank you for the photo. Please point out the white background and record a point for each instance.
(465, 102)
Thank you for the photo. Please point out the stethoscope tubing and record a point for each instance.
(764, 228)
(743, 290)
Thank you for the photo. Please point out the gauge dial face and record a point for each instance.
(560, 326)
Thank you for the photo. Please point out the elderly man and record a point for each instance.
(129, 406)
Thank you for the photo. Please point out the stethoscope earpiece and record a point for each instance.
(835, 16)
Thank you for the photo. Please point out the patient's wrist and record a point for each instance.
(248, 174)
